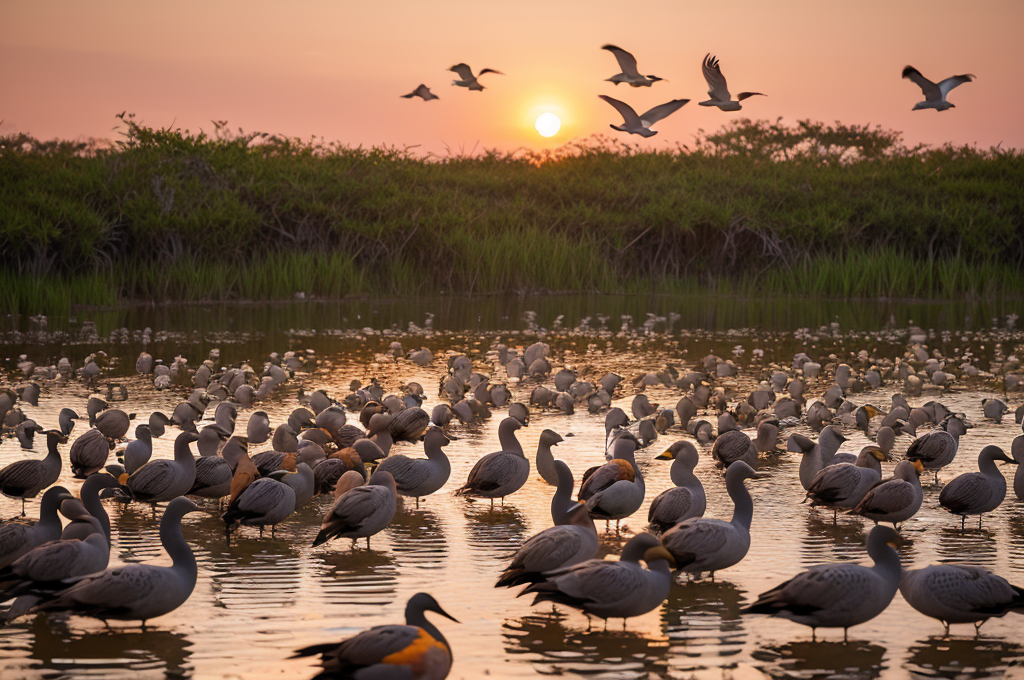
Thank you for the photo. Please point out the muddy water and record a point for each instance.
(257, 600)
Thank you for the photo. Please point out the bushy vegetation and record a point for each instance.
(755, 207)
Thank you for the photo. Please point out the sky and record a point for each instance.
(335, 69)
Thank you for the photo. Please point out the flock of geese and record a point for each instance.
(935, 94)
(52, 566)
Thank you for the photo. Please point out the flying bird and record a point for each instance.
(719, 89)
(630, 74)
(641, 125)
(423, 92)
(468, 80)
(935, 94)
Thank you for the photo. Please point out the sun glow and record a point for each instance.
(547, 124)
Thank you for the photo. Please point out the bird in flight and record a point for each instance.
(468, 80)
(641, 125)
(719, 89)
(630, 74)
(423, 92)
(935, 94)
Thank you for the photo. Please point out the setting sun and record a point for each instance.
(548, 124)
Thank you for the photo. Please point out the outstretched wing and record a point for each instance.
(932, 93)
(718, 88)
(625, 110)
(662, 111)
(489, 70)
(627, 62)
(945, 86)
(463, 70)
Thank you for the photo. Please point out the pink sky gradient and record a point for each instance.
(336, 69)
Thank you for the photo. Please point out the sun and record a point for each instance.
(548, 124)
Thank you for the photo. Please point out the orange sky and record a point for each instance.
(335, 69)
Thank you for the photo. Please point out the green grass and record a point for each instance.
(757, 207)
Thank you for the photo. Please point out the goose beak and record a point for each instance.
(445, 614)
(667, 455)
(919, 467)
(659, 553)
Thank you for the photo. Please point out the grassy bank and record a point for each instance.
(754, 208)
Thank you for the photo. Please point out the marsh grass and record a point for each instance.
(755, 208)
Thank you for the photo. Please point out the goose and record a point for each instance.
(935, 450)
(896, 499)
(545, 460)
(163, 480)
(556, 547)
(719, 90)
(158, 423)
(138, 452)
(608, 589)
(734, 446)
(415, 651)
(467, 79)
(935, 93)
(838, 595)
(213, 477)
(955, 593)
(630, 75)
(301, 480)
(767, 435)
(136, 592)
(16, 539)
(264, 501)
(816, 455)
(501, 473)
(686, 499)
(844, 485)
(418, 477)
(1017, 451)
(641, 125)
(421, 91)
(360, 511)
(66, 420)
(616, 489)
(113, 423)
(257, 430)
(561, 500)
(88, 453)
(975, 493)
(26, 478)
(701, 544)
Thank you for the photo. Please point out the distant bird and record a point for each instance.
(719, 90)
(684, 500)
(468, 80)
(418, 477)
(359, 511)
(641, 125)
(935, 94)
(415, 651)
(896, 499)
(26, 478)
(501, 473)
(935, 450)
(630, 75)
(423, 92)
(954, 593)
(838, 595)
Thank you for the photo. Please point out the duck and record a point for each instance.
(896, 499)
(415, 651)
(611, 589)
(501, 473)
(975, 493)
(960, 593)
(701, 544)
(838, 595)
(687, 498)
(616, 489)
(24, 479)
(135, 592)
(359, 511)
(418, 477)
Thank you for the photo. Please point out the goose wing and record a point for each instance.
(627, 62)
(973, 589)
(355, 506)
(931, 91)
(945, 86)
(602, 478)
(260, 497)
(888, 496)
(492, 471)
(718, 88)
(20, 476)
(670, 505)
(409, 473)
(631, 120)
(596, 581)
(463, 70)
(13, 537)
(115, 592)
(962, 492)
(548, 550)
(827, 586)
(834, 483)
(152, 478)
(367, 648)
(691, 539)
(662, 111)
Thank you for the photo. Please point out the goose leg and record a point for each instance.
(946, 624)
(977, 628)
(417, 502)
(23, 507)
(367, 542)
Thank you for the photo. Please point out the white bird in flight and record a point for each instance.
(468, 79)
(630, 74)
(935, 94)
(719, 90)
(423, 92)
(641, 125)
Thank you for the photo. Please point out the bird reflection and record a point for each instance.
(701, 617)
(973, 546)
(356, 577)
(945, 657)
(554, 648)
(501, 528)
(820, 660)
(134, 653)
(418, 537)
(827, 542)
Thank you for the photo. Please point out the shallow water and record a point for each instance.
(257, 600)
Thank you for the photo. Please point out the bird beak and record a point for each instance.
(667, 455)
(445, 614)
(759, 475)
(659, 553)
(919, 467)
